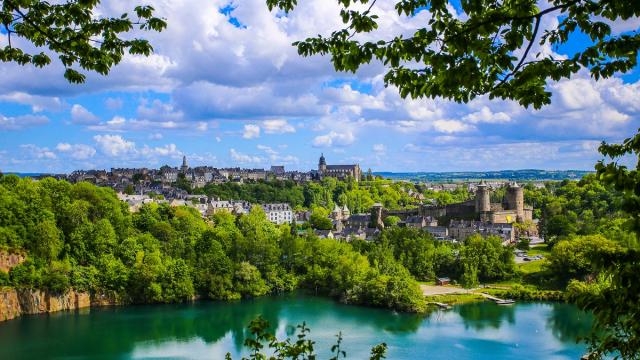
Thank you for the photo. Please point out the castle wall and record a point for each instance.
(461, 209)
(503, 217)
(433, 211)
(402, 214)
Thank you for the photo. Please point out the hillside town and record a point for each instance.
(508, 220)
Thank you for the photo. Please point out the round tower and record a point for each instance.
(376, 216)
(483, 198)
(515, 200)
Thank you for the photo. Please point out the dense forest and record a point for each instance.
(82, 236)
(585, 207)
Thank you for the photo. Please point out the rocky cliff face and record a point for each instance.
(9, 304)
(10, 260)
(15, 302)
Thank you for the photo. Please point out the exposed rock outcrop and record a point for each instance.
(14, 302)
(105, 299)
(9, 304)
(32, 301)
(10, 260)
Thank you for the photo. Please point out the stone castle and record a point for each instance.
(511, 209)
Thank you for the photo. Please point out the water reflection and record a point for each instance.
(482, 315)
(568, 323)
(210, 327)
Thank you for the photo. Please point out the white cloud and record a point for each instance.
(451, 126)
(267, 149)
(114, 145)
(22, 121)
(156, 110)
(39, 152)
(577, 93)
(80, 115)
(244, 158)
(251, 131)
(117, 121)
(334, 139)
(276, 157)
(155, 136)
(76, 151)
(113, 103)
(37, 103)
(379, 149)
(277, 126)
(167, 150)
(485, 115)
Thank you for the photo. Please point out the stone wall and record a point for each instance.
(10, 260)
(15, 302)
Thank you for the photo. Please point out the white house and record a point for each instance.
(278, 213)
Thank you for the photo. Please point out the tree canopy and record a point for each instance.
(487, 49)
(75, 32)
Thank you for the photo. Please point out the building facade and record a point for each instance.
(278, 213)
(341, 172)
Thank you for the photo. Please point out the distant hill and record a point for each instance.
(517, 175)
(23, 174)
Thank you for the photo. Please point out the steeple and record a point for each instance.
(322, 164)
(184, 166)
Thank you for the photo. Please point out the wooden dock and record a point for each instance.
(498, 300)
(441, 305)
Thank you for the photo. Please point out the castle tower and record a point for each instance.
(514, 200)
(376, 216)
(483, 198)
(346, 213)
(336, 214)
(322, 164)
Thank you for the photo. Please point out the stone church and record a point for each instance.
(338, 171)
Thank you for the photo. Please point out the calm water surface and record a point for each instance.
(208, 330)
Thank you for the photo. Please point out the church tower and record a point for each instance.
(184, 166)
(322, 165)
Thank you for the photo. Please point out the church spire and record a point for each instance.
(184, 166)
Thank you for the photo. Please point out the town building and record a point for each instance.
(341, 172)
(278, 213)
(462, 229)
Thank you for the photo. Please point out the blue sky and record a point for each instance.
(226, 88)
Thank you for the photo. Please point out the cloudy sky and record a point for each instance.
(226, 88)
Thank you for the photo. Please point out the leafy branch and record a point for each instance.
(71, 30)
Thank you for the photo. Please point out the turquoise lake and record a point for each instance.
(208, 330)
